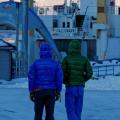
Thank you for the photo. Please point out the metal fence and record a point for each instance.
(18, 72)
(98, 71)
(106, 70)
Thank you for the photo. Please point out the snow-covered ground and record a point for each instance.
(101, 100)
(102, 83)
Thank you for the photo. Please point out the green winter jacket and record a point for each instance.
(76, 68)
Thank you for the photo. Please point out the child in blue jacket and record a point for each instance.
(45, 83)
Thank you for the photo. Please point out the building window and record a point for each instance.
(101, 9)
(112, 3)
(119, 10)
(68, 24)
(55, 23)
(41, 11)
(63, 24)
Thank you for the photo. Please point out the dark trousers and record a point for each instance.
(44, 98)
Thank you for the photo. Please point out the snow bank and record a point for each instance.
(103, 83)
(15, 83)
(105, 62)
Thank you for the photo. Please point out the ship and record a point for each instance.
(95, 23)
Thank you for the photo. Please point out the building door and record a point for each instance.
(84, 48)
(5, 65)
(91, 49)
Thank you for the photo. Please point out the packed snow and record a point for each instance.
(101, 99)
(102, 83)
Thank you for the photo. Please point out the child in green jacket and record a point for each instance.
(77, 70)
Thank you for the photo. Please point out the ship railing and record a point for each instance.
(67, 31)
(75, 32)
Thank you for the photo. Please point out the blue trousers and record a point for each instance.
(44, 98)
(74, 102)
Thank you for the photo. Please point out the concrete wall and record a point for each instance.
(113, 50)
(101, 45)
(115, 25)
(108, 48)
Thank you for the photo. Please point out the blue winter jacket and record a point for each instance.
(45, 73)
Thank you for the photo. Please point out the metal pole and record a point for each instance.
(31, 42)
(65, 5)
(25, 32)
(17, 39)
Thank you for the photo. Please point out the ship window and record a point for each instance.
(68, 24)
(101, 9)
(91, 25)
(112, 3)
(41, 11)
(63, 24)
(55, 23)
(119, 10)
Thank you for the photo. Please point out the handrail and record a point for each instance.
(106, 70)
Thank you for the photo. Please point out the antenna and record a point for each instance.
(65, 9)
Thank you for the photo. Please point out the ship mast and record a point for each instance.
(65, 5)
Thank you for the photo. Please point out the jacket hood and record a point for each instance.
(45, 51)
(74, 47)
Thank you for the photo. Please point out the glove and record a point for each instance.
(32, 96)
(57, 95)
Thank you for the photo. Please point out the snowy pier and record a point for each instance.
(101, 100)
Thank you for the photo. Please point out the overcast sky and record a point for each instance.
(46, 2)
(52, 2)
